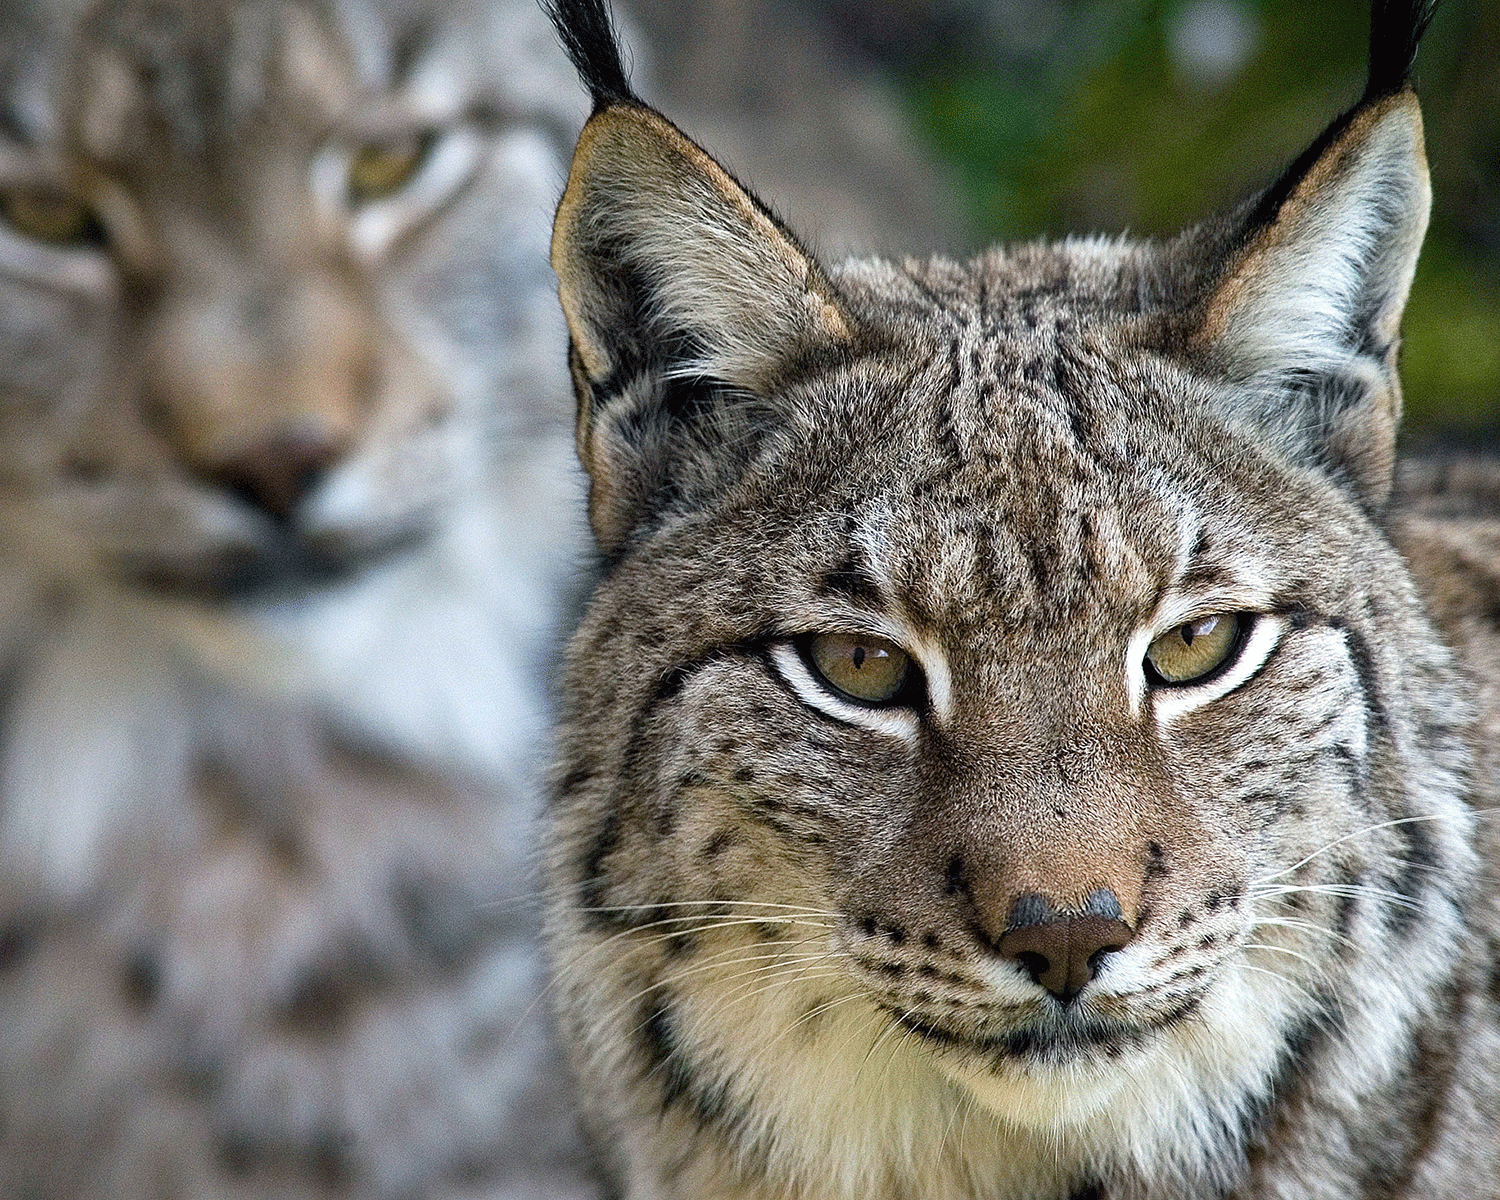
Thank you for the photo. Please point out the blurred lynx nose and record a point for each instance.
(262, 390)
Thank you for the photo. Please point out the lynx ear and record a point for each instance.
(1307, 315)
(685, 300)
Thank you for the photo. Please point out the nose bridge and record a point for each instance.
(1052, 807)
(1064, 834)
(259, 367)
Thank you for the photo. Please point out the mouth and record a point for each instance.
(1044, 1035)
(282, 563)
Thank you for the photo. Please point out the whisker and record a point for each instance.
(1311, 962)
(1338, 889)
(1304, 926)
(1375, 828)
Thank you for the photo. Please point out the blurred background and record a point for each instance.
(1045, 117)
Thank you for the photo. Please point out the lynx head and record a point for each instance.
(1006, 653)
(270, 275)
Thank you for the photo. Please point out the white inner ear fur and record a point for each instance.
(714, 264)
(1350, 233)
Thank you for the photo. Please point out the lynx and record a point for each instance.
(286, 508)
(1018, 748)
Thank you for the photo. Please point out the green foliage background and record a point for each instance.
(1087, 122)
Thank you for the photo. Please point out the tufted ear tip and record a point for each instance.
(685, 299)
(1305, 317)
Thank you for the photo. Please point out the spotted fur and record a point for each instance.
(782, 915)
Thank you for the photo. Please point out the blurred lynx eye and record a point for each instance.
(869, 669)
(51, 215)
(380, 169)
(1195, 649)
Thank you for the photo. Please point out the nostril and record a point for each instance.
(1062, 949)
(1036, 964)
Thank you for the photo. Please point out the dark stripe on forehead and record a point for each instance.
(851, 581)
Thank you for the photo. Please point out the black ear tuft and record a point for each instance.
(1396, 26)
(588, 34)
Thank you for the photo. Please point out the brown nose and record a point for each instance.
(1062, 949)
(276, 474)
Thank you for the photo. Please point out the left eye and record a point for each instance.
(51, 215)
(868, 669)
(380, 169)
(1195, 649)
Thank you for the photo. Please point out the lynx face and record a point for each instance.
(256, 263)
(1006, 756)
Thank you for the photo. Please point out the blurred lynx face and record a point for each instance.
(259, 268)
(1006, 756)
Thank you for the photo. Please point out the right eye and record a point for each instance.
(380, 169)
(51, 215)
(868, 669)
(1195, 649)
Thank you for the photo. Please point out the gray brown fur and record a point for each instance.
(780, 916)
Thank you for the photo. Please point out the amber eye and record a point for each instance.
(1195, 649)
(51, 215)
(869, 669)
(380, 169)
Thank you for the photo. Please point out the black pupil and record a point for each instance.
(859, 657)
(1187, 635)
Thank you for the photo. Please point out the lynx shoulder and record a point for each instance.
(286, 497)
(1009, 754)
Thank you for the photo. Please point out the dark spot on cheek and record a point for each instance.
(1186, 918)
(719, 843)
(141, 979)
(574, 780)
(896, 934)
(15, 944)
(867, 926)
(744, 775)
(1156, 861)
(1213, 901)
(932, 941)
(955, 881)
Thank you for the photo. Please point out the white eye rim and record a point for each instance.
(895, 721)
(1254, 649)
(87, 270)
(373, 227)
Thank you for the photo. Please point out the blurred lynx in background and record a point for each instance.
(286, 509)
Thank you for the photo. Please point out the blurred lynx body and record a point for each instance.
(286, 504)
(1008, 756)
